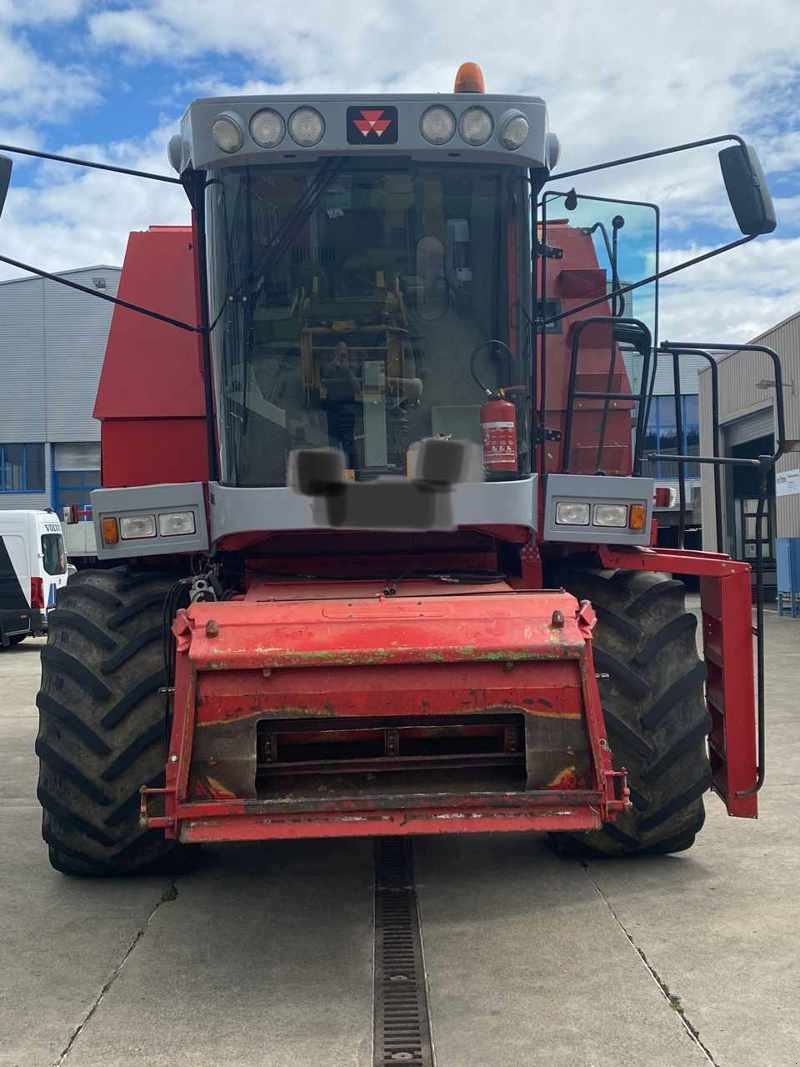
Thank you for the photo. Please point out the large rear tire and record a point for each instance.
(651, 686)
(102, 721)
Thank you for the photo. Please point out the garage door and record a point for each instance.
(759, 424)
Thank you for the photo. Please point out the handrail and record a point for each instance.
(645, 349)
(765, 464)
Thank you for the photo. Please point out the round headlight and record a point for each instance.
(437, 125)
(514, 132)
(306, 127)
(227, 134)
(267, 128)
(476, 126)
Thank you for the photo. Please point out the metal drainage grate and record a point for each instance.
(402, 1033)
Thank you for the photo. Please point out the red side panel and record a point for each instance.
(574, 279)
(149, 451)
(151, 398)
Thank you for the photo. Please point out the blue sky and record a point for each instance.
(113, 77)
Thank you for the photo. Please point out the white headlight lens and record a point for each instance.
(175, 523)
(133, 526)
(306, 127)
(610, 515)
(267, 128)
(227, 134)
(570, 514)
(514, 132)
(476, 126)
(438, 125)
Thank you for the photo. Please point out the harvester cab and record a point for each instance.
(380, 301)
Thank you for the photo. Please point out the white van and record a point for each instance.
(33, 565)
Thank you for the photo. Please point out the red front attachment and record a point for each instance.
(345, 709)
(726, 603)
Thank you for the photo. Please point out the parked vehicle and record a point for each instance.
(33, 565)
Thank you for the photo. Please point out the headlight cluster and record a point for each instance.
(306, 127)
(137, 527)
(613, 516)
(438, 126)
(268, 129)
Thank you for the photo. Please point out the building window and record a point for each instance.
(22, 468)
(662, 436)
(74, 487)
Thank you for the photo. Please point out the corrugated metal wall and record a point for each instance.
(740, 397)
(76, 331)
(52, 342)
(22, 364)
(665, 381)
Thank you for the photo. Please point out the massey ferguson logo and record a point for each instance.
(372, 125)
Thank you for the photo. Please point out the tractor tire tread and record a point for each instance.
(651, 687)
(130, 648)
(102, 722)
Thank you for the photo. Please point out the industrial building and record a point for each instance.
(747, 430)
(52, 343)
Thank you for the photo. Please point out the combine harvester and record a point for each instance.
(382, 647)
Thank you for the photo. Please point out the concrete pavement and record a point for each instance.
(262, 955)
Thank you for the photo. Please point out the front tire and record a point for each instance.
(102, 721)
(651, 686)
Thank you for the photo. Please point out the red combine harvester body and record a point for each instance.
(385, 641)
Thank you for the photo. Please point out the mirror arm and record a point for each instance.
(646, 155)
(89, 163)
(103, 296)
(647, 281)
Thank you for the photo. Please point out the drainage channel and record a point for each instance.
(402, 1031)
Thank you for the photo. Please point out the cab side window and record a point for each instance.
(55, 559)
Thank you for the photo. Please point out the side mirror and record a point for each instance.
(5, 178)
(747, 190)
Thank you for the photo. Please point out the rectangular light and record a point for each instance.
(109, 530)
(569, 513)
(176, 523)
(610, 515)
(638, 516)
(132, 527)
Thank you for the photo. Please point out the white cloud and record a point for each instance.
(35, 89)
(73, 217)
(733, 297)
(618, 78)
(21, 12)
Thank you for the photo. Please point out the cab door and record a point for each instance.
(52, 559)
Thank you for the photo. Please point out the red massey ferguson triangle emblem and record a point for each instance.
(372, 121)
(372, 125)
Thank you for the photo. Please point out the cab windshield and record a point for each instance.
(346, 300)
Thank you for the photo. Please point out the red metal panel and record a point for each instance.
(728, 644)
(238, 635)
(152, 369)
(368, 824)
(669, 560)
(150, 451)
(408, 689)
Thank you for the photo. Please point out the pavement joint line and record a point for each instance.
(169, 894)
(671, 998)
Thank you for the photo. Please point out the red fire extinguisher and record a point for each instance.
(499, 434)
(498, 421)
